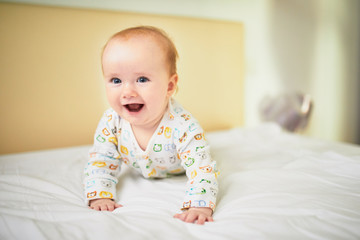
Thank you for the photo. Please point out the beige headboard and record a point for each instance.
(51, 89)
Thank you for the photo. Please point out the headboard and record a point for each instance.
(51, 89)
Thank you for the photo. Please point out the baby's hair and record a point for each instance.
(158, 34)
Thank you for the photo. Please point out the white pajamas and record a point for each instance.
(178, 145)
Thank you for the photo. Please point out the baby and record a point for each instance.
(146, 128)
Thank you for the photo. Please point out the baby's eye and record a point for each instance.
(142, 80)
(115, 80)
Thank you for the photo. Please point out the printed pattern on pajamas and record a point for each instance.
(178, 145)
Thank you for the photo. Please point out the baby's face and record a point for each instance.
(137, 80)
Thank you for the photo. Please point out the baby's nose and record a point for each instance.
(129, 91)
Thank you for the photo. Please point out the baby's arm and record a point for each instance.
(104, 205)
(202, 186)
(103, 167)
(200, 215)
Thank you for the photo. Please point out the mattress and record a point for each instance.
(273, 185)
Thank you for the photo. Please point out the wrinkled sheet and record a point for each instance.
(273, 185)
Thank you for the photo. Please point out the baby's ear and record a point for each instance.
(172, 86)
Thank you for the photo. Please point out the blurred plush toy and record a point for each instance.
(290, 111)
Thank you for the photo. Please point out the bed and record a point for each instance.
(273, 185)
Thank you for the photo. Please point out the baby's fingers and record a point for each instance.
(97, 208)
(201, 220)
(181, 216)
(110, 207)
(191, 217)
(104, 207)
(118, 205)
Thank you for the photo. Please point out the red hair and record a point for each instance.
(158, 34)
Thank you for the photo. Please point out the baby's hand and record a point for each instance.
(104, 205)
(201, 214)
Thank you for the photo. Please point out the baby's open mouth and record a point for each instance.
(134, 107)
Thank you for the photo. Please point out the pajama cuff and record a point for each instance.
(99, 194)
(198, 203)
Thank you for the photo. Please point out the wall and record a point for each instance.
(315, 49)
(337, 73)
(290, 45)
(51, 90)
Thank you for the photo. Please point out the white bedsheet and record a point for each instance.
(273, 185)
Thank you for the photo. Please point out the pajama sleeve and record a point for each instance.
(194, 152)
(103, 167)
